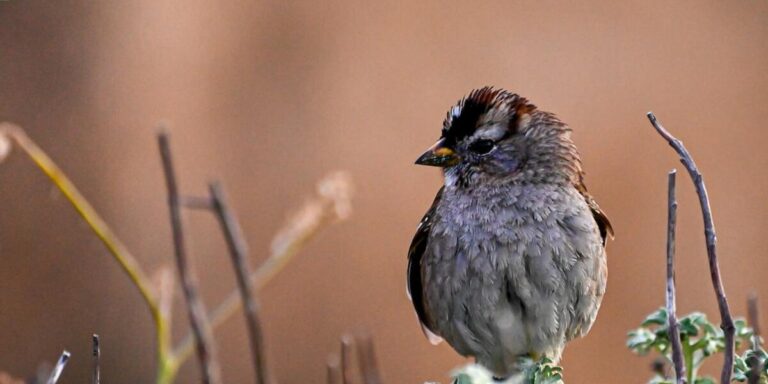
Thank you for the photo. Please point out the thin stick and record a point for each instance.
(96, 360)
(230, 305)
(114, 245)
(726, 321)
(754, 321)
(674, 328)
(330, 206)
(346, 359)
(238, 250)
(58, 368)
(333, 372)
(196, 309)
(366, 359)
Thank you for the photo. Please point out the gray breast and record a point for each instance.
(513, 271)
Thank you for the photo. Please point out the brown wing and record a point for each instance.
(415, 255)
(600, 217)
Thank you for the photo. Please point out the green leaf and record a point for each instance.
(688, 328)
(701, 339)
(691, 324)
(661, 380)
(712, 329)
(742, 332)
(545, 372)
(641, 340)
(658, 317)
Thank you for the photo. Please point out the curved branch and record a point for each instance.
(115, 247)
(238, 251)
(711, 240)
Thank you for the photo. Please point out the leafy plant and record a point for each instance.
(700, 339)
(545, 372)
(542, 371)
(753, 360)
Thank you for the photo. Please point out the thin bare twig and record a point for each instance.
(673, 329)
(96, 360)
(333, 371)
(332, 204)
(754, 321)
(58, 368)
(726, 321)
(366, 359)
(206, 350)
(347, 344)
(238, 250)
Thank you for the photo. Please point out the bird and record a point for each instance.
(509, 261)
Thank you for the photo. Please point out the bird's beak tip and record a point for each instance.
(439, 155)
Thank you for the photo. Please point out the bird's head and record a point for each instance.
(494, 136)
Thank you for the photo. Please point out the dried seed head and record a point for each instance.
(337, 188)
(331, 204)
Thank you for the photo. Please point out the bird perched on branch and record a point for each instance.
(509, 262)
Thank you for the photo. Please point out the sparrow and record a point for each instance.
(509, 261)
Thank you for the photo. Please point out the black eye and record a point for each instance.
(481, 147)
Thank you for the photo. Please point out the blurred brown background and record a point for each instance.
(270, 95)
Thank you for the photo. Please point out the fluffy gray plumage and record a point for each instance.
(510, 259)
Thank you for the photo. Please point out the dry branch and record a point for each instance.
(58, 368)
(673, 328)
(347, 343)
(206, 350)
(333, 371)
(754, 321)
(339, 369)
(96, 378)
(366, 359)
(711, 240)
(332, 204)
(238, 250)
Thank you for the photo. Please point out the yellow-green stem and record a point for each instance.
(688, 352)
(116, 248)
(168, 359)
